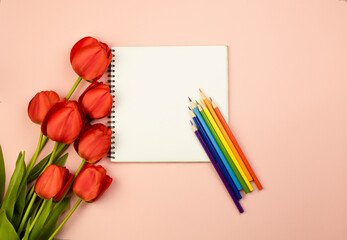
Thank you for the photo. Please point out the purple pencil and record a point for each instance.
(215, 165)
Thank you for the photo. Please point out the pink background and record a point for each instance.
(288, 101)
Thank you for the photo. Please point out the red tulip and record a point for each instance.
(53, 182)
(91, 182)
(94, 143)
(96, 100)
(90, 58)
(40, 104)
(63, 122)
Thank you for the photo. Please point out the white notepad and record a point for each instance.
(151, 88)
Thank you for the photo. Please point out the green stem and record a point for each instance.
(25, 217)
(56, 145)
(43, 142)
(73, 88)
(37, 215)
(65, 219)
(79, 168)
(33, 159)
(29, 194)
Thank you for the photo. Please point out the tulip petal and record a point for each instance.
(86, 127)
(105, 184)
(81, 44)
(65, 124)
(68, 178)
(98, 103)
(91, 86)
(95, 143)
(49, 182)
(40, 105)
(97, 100)
(89, 62)
(53, 109)
(88, 183)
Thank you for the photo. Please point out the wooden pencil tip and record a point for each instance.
(191, 122)
(189, 108)
(189, 99)
(211, 99)
(200, 100)
(200, 90)
(197, 102)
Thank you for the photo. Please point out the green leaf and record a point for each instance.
(51, 223)
(2, 175)
(29, 195)
(61, 161)
(7, 231)
(19, 206)
(35, 207)
(18, 158)
(36, 171)
(27, 232)
(20, 203)
(40, 222)
(12, 190)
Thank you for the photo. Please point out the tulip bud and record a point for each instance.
(40, 104)
(63, 122)
(96, 100)
(90, 58)
(94, 143)
(91, 182)
(53, 182)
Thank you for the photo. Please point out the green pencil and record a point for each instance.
(232, 165)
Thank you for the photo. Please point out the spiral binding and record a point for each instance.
(111, 122)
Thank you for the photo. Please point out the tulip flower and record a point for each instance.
(91, 182)
(64, 121)
(90, 58)
(40, 104)
(53, 182)
(94, 143)
(96, 100)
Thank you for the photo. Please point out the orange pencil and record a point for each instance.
(226, 137)
(221, 118)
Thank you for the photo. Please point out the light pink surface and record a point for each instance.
(288, 101)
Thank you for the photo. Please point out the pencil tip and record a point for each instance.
(189, 108)
(189, 99)
(191, 122)
(200, 90)
(211, 99)
(197, 102)
(200, 100)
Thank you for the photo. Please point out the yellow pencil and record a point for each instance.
(225, 144)
(226, 136)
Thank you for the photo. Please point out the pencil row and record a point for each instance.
(223, 150)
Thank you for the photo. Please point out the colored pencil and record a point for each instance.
(225, 135)
(226, 146)
(215, 145)
(226, 155)
(215, 155)
(215, 165)
(233, 139)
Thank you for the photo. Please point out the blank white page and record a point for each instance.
(152, 85)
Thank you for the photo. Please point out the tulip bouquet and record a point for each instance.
(39, 192)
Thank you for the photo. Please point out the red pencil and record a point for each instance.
(237, 146)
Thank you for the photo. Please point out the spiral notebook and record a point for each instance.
(151, 85)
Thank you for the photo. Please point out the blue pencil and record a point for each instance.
(216, 156)
(215, 145)
(215, 165)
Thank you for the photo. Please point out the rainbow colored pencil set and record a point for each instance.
(223, 150)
